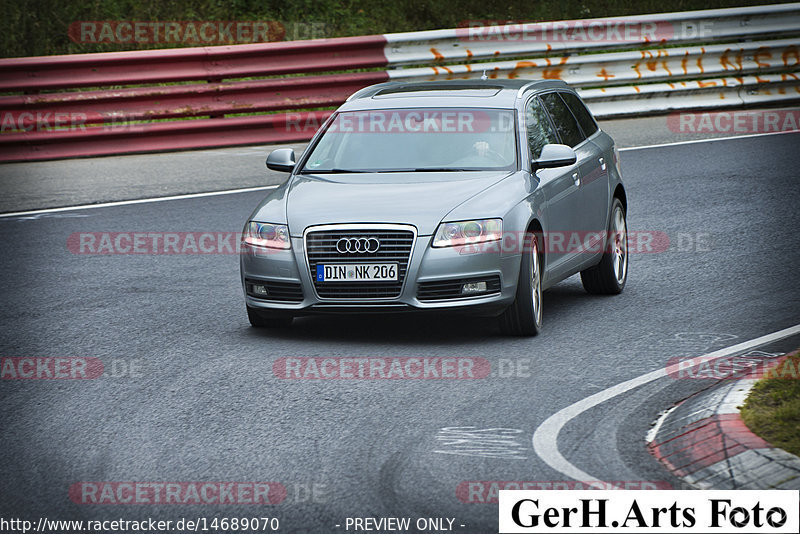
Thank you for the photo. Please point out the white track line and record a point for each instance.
(695, 141)
(249, 189)
(545, 438)
(653, 432)
(138, 201)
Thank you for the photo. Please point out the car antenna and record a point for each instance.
(484, 77)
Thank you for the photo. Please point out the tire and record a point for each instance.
(609, 276)
(524, 316)
(261, 319)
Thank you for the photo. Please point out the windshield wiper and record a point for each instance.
(443, 169)
(430, 169)
(330, 171)
(386, 171)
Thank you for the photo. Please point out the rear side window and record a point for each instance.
(538, 128)
(565, 122)
(581, 113)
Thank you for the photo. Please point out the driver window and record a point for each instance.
(539, 130)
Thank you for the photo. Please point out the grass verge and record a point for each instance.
(772, 410)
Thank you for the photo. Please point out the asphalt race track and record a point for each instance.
(190, 393)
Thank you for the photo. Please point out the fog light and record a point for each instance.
(473, 287)
(258, 289)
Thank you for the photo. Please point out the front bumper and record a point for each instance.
(288, 268)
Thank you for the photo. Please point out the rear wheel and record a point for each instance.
(524, 316)
(609, 276)
(266, 319)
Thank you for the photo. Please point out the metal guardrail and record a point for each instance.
(212, 64)
(623, 66)
(634, 67)
(593, 35)
(713, 93)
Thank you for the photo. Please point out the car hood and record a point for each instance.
(420, 199)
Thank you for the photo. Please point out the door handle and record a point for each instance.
(576, 178)
(602, 163)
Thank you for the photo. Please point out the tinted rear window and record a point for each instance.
(565, 122)
(581, 113)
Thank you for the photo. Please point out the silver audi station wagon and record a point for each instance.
(456, 196)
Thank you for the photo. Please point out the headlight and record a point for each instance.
(451, 234)
(267, 235)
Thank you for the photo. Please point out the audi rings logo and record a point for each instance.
(350, 245)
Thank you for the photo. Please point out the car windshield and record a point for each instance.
(416, 140)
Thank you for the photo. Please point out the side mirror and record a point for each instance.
(555, 156)
(281, 159)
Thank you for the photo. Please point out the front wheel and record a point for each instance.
(524, 316)
(263, 319)
(609, 276)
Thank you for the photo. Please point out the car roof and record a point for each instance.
(489, 93)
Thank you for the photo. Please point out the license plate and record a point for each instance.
(361, 272)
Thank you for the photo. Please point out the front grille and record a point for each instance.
(277, 291)
(451, 289)
(395, 247)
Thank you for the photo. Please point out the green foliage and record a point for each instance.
(39, 27)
